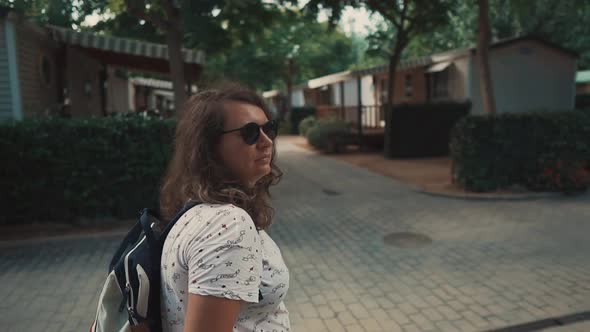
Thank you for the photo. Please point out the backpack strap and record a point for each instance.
(144, 220)
(127, 241)
(189, 205)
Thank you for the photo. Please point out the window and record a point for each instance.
(440, 84)
(383, 91)
(45, 70)
(324, 94)
(409, 87)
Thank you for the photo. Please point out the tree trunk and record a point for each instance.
(483, 42)
(290, 71)
(174, 37)
(400, 44)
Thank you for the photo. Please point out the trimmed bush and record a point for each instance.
(583, 101)
(285, 127)
(297, 114)
(330, 135)
(63, 169)
(306, 124)
(422, 130)
(542, 151)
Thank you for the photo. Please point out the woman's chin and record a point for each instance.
(263, 171)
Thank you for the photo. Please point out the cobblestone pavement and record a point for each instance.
(490, 264)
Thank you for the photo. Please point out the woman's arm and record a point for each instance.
(210, 313)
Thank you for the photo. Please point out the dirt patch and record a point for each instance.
(426, 172)
(429, 174)
(299, 141)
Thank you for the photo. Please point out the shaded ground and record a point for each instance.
(489, 265)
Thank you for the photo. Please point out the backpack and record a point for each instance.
(130, 297)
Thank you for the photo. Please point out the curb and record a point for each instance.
(61, 237)
(496, 197)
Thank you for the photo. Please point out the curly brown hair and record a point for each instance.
(195, 172)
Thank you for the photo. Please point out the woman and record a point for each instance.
(220, 270)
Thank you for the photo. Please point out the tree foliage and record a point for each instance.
(64, 13)
(566, 23)
(260, 59)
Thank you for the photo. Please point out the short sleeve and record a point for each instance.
(225, 260)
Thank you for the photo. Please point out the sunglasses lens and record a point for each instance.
(270, 129)
(250, 133)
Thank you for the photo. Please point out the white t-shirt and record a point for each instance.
(215, 249)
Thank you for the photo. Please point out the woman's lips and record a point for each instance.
(263, 159)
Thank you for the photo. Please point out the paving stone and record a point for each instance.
(337, 306)
(334, 325)
(432, 314)
(315, 325)
(389, 325)
(370, 325)
(346, 318)
(411, 328)
(318, 299)
(325, 312)
(308, 310)
(448, 313)
(421, 321)
(385, 303)
(399, 317)
(358, 310)
(355, 328)
(407, 308)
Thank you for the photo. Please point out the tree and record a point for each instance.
(460, 31)
(63, 13)
(409, 18)
(208, 25)
(166, 16)
(259, 60)
(485, 76)
(566, 23)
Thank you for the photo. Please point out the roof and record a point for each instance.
(438, 67)
(404, 64)
(270, 93)
(120, 45)
(437, 61)
(509, 41)
(329, 79)
(583, 76)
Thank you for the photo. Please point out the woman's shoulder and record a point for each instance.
(212, 208)
(222, 214)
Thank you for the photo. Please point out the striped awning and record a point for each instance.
(403, 65)
(120, 45)
(151, 82)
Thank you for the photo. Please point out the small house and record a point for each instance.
(53, 70)
(528, 73)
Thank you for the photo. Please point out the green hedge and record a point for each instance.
(422, 130)
(330, 135)
(542, 151)
(583, 101)
(297, 115)
(63, 169)
(306, 124)
(285, 127)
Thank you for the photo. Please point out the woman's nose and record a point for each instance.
(264, 140)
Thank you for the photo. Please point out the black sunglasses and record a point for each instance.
(251, 131)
